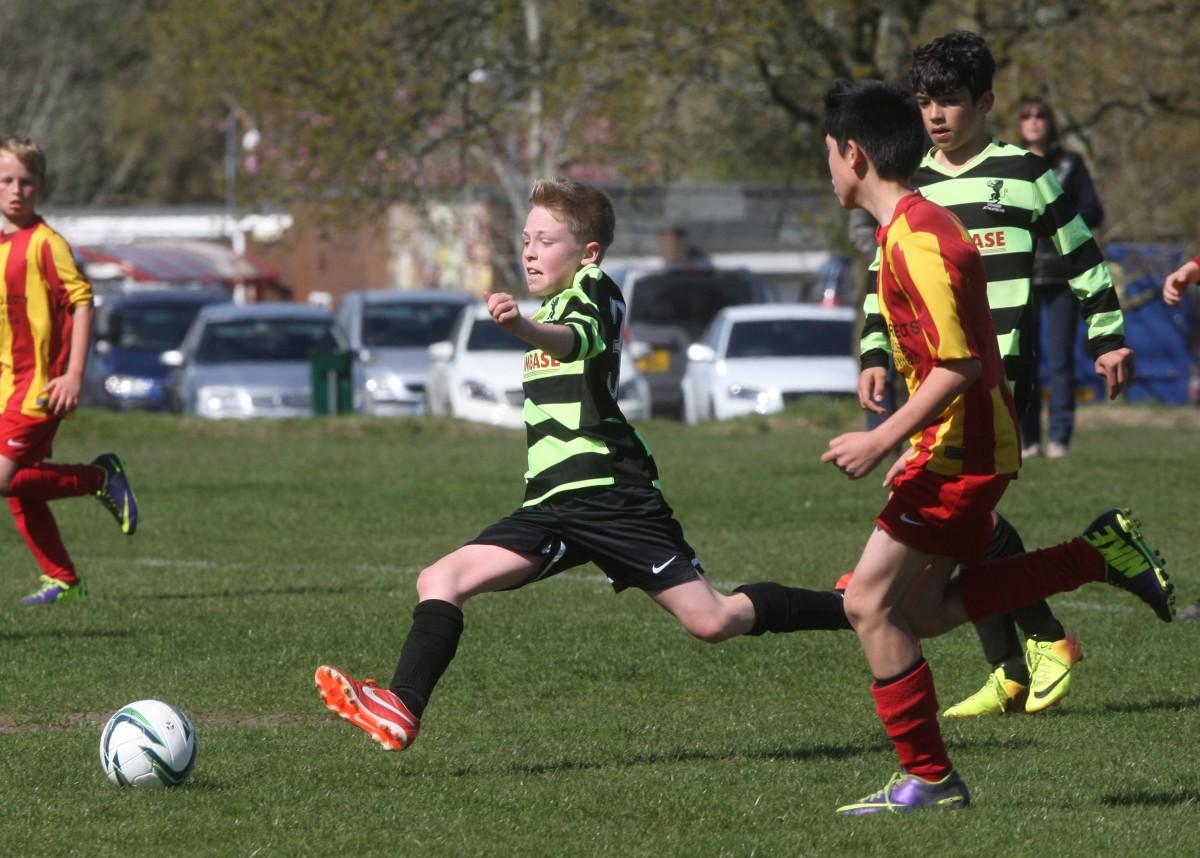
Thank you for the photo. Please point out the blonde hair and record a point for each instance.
(30, 155)
(586, 210)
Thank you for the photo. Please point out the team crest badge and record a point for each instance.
(999, 192)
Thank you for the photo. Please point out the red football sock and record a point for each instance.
(1000, 586)
(36, 524)
(908, 709)
(47, 482)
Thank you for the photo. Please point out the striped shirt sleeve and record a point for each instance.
(1091, 282)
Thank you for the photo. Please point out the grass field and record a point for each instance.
(573, 722)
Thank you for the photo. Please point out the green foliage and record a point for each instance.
(573, 721)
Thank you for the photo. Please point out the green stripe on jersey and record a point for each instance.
(575, 432)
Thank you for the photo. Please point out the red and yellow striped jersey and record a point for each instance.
(933, 296)
(41, 288)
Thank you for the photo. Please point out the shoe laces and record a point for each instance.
(885, 794)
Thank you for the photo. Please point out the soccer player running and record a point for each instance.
(592, 489)
(960, 420)
(44, 333)
(1007, 198)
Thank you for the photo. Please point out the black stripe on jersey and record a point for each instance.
(1021, 165)
(873, 358)
(974, 216)
(1101, 302)
(576, 346)
(1007, 266)
(1106, 343)
(535, 432)
(553, 389)
(1084, 258)
(1007, 319)
(581, 466)
(1059, 212)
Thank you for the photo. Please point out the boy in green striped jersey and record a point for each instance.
(1007, 198)
(591, 489)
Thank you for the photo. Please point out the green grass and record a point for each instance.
(573, 721)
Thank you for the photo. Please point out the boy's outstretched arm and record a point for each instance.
(857, 453)
(556, 340)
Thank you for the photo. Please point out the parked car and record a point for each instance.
(475, 374)
(756, 359)
(391, 331)
(131, 332)
(669, 309)
(252, 360)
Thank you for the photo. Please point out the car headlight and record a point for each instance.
(739, 391)
(479, 390)
(219, 401)
(765, 401)
(386, 386)
(128, 386)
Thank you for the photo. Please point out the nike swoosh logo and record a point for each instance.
(12, 442)
(1038, 695)
(375, 698)
(654, 570)
(904, 518)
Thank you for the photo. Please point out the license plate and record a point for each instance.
(659, 360)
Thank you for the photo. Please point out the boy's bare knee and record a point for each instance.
(709, 628)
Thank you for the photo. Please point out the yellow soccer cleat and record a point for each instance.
(998, 695)
(1050, 664)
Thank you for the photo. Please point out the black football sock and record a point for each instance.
(793, 609)
(430, 646)
(998, 634)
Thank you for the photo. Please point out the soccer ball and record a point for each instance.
(148, 744)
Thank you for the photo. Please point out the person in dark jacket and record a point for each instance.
(1055, 307)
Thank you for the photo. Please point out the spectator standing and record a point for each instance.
(1055, 307)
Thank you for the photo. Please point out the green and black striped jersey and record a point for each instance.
(1007, 198)
(576, 433)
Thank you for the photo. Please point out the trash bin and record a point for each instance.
(332, 388)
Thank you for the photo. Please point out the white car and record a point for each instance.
(476, 373)
(755, 359)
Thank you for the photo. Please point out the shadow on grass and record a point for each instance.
(1162, 705)
(1144, 798)
(685, 755)
(262, 591)
(66, 633)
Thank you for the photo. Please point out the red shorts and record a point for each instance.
(943, 516)
(26, 440)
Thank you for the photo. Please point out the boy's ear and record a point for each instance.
(591, 253)
(856, 156)
(986, 101)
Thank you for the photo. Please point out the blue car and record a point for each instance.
(132, 330)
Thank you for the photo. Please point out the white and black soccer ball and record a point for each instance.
(148, 744)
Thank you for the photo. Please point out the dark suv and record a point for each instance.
(668, 308)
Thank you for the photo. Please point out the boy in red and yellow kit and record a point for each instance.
(45, 327)
(961, 423)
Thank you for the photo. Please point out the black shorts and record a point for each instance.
(628, 531)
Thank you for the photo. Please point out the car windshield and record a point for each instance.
(688, 300)
(487, 336)
(790, 338)
(154, 327)
(408, 323)
(254, 340)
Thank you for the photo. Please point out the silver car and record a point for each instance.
(390, 332)
(253, 360)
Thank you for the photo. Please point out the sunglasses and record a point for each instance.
(1033, 114)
